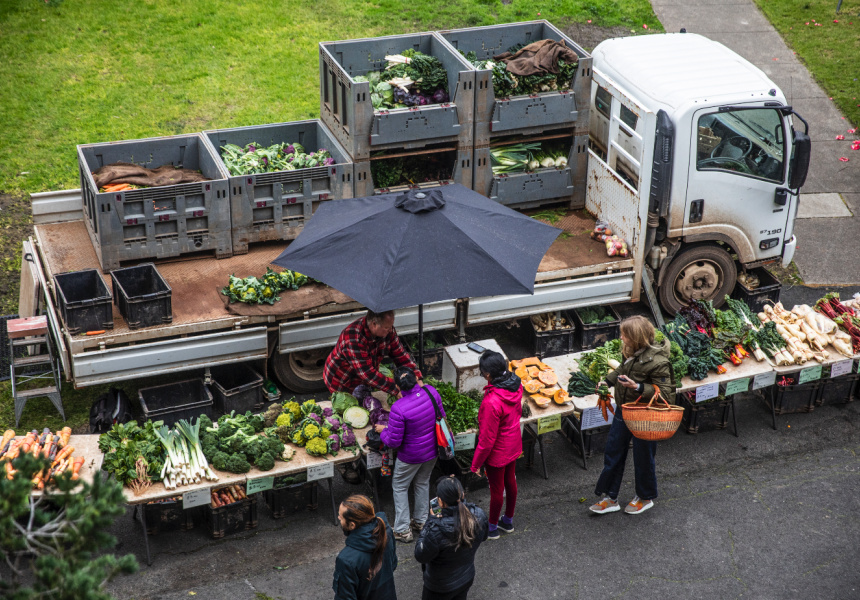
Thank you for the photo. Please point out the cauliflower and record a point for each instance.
(288, 453)
(333, 423)
(284, 420)
(317, 447)
(347, 436)
(327, 412)
(325, 432)
(316, 417)
(294, 409)
(310, 430)
(333, 443)
(284, 433)
(271, 414)
(310, 406)
(298, 439)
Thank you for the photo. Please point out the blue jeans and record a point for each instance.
(615, 455)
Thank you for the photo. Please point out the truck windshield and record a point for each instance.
(748, 142)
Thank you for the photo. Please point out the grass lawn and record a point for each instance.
(830, 49)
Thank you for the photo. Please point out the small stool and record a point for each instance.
(33, 333)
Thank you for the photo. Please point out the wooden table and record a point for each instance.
(87, 447)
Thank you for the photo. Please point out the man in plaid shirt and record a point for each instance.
(359, 350)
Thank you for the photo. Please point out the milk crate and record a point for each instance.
(84, 300)
(454, 166)
(156, 222)
(345, 104)
(766, 293)
(526, 114)
(277, 205)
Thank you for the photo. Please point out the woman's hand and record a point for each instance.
(379, 428)
(627, 382)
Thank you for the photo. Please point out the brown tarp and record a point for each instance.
(305, 298)
(121, 172)
(538, 58)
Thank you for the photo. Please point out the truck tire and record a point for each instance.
(300, 372)
(697, 273)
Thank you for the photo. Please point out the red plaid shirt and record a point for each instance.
(356, 357)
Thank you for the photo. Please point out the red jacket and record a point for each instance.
(499, 438)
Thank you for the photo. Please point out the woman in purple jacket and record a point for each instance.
(412, 431)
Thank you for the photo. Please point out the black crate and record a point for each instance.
(594, 335)
(143, 296)
(795, 398)
(162, 517)
(594, 439)
(85, 301)
(233, 518)
(463, 471)
(432, 356)
(766, 293)
(174, 401)
(284, 501)
(553, 343)
(236, 387)
(705, 416)
(839, 390)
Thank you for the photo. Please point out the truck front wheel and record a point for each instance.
(697, 273)
(300, 372)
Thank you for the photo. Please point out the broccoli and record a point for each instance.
(252, 447)
(209, 449)
(237, 464)
(272, 445)
(272, 413)
(266, 462)
(227, 429)
(255, 421)
(205, 422)
(219, 461)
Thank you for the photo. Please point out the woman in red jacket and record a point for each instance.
(500, 441)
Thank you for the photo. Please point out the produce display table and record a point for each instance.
(86, 447)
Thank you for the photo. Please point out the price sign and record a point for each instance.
(374, 460)
(737, 386)
(323, 471)
(547, 424)
(465, 441)
(259, 485)
(763, 380)
(593, 417)
(709, 391)
(810, 374)
(196, 498)
(843, 367)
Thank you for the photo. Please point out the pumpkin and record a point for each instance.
(533, 372)
(533, 386)
(544, 367)
(548, 377)
(522, 373)
(560, 396)
(541, 400)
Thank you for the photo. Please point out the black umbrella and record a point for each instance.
(397, 250)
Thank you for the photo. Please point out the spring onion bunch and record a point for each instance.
(513, 159)
(185, 463)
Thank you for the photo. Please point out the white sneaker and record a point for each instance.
(607, 505)
(637, 506)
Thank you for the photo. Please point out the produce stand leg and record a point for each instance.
(581, 440)
(734, 417)
(142, 512)
(331, 495)
(772, 400)
(540, 444)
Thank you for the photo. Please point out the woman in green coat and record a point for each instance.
(646, 369)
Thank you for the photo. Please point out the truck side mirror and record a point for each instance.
(800, 160)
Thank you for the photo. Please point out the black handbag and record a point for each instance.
(374, 441)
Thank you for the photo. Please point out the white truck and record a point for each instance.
(694, 159)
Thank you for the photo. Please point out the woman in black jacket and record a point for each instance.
(447, 544)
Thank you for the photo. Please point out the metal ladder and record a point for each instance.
(39, 366)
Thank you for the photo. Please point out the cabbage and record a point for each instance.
(361, 392)
(440, 96)
(371, 403)
(357, 417)
(378, 416)
(340, 401)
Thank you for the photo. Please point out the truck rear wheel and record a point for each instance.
(697, 273)
(300, 372)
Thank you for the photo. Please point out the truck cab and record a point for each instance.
(708, 141)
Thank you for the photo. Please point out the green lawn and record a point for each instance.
(830, 50)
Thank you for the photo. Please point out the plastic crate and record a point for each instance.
(233, 518)
(276, 206)
(553, 343)
(455, 160)
(432, 356)
(290, 499)
(345, 105)
(596, 334)
(156, 222)
(593, 439)
(85, 301)
(532, 189)
(795, 398)
(162, 517)
(236, 387)
(766, 293)
(143, 296)
(524, 115)
(462, 471)
(174, 401)
(838, 390)
(705, 416)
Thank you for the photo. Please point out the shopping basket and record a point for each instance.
(652, 422)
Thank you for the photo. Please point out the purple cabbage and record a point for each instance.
(334, 423)
(252, 148)
(378, 416)
(327, 411)
(423, 100)
(371, 403)
(361, 392)
(347, 436)
(440, 96)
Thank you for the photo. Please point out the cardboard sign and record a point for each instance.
(259, 485)
(323, 471)
(709, 391)
(843, 367)
(810, 374)
(465, 441)
(196, 498)
(737, 386)
(763, 380)
(547, 424)
(593, 417)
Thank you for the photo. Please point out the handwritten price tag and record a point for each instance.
(323, 471)
(708, 391)
(464, 441)
(374, 460)
(810, 374)
(737, 386)
(547, 424)
(843, 367)
(593, 417)
(195, 498)
(259, 485)
(763, 380)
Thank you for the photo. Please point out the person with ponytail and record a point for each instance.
(364, 570)
(447, 545)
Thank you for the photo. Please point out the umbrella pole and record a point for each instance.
(421, 338)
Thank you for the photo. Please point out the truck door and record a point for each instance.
(740, 162)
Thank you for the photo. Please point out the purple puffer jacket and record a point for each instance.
(412, 426)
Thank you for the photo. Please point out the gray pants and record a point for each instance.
(419, 476)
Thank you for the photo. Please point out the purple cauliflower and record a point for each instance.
(327, 411)
(316, 418)
(252, 148)
(347, 436)
(333, 423)
(329, 161)
(333, 443)
(440, 96)
(290, 149)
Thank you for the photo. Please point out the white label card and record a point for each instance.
(708, 391)
(196, 498)
(322, 471)
(374, 460)
(763, 380)
(843, 367)
(465, 441)
(593, 417)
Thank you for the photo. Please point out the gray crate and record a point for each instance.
(526, 115)
(538, 188)
(461, 172)
(157, 222)
(277, 205)
(345, 105)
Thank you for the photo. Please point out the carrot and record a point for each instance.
(7, 437)
(99, 332)
(12, 452)
(65, 434)
(63, 454)
(76, 467)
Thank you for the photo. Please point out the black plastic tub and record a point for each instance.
(287, 500)
(143, 296)
(553, 343)
(232, 518)
(838, 390)
(593, 335)
(766, 293)
(704, 416)
(85, 301)
(175, 401)
(795, 398)
(236, 387)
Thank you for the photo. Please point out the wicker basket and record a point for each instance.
(653, 423)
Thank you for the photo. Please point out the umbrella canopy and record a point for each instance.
(397, 250)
